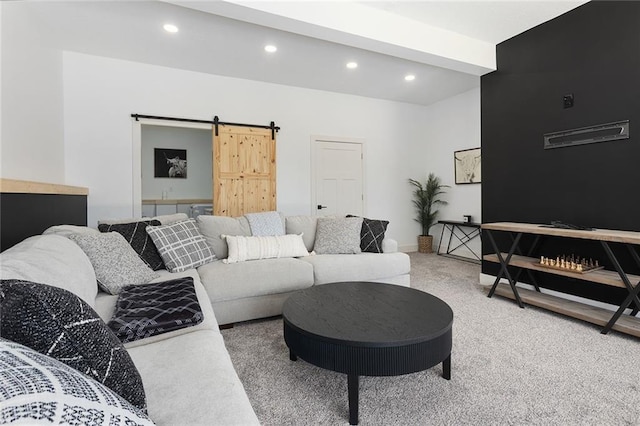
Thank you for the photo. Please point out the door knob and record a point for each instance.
(320, 207)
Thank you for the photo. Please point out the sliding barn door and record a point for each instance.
(244, 170)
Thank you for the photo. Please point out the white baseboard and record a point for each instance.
(410, 248)
(488, 280)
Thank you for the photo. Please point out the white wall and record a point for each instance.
(101, 93)
(451, 125)
(197, 142)
(31, 138)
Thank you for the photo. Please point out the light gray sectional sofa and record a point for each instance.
(187, 374)
(258, 288)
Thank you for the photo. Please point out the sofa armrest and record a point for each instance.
(389, 245)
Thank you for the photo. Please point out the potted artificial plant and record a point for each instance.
(425, 200)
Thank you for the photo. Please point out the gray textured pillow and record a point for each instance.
(338, 235)
(116, 263)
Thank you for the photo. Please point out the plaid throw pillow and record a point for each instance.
(181, 245)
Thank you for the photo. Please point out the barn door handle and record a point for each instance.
(320, 207)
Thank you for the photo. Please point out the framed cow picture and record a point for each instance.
(467, 166)
(170, 163)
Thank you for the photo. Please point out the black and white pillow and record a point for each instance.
(136, 235)
(35, 388)
(372, 234)
(57, 323)
(116, 264)
(181, 245)
(151, 309)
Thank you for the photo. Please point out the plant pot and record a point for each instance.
(425, 243)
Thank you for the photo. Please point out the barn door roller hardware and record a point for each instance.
(215, 122)
(271, 126)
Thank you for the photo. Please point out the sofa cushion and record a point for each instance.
(106, 304)
(150, 309)
(181, 245)
(305, 225)
(214, 227)
(252, 248)
(329, 268)
(166, 219)
(37, 389)
(255, 278)
(115, 262)
(54, 260)
(59, 324)
(136, 235)
(66, 230)
(191, 381)
(338, 235)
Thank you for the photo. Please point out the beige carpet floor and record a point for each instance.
(510, 366)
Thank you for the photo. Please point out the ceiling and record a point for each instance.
(447, 45)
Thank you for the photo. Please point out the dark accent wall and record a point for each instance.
(25, 215)
(593, 52)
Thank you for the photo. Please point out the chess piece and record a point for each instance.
(579, 267)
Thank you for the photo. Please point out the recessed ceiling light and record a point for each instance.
(352, 65)
(270, 48)
(409, 77)
(170, 28)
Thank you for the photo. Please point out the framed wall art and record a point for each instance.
(467, 166)
(170, 163)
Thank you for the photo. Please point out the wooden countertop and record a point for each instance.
(629, 237)
(29, 187)
(178, 201)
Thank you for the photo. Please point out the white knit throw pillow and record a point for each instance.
(243, 248)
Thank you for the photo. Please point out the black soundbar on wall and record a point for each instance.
(584, 135)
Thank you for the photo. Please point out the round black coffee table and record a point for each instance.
(368, 329)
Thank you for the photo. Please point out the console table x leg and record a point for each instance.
(504, 263)
(530, 252)
(633, 292)
(636, 258)
(467, 236)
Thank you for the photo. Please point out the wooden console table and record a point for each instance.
(628, 324)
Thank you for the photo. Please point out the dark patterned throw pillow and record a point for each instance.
(372, 234)
(150, 309)
(136, 235)
(37, 389)
(59, 324)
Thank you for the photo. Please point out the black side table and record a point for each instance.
(464, 232)
(368, 329)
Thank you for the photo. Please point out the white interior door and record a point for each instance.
(339, 187)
